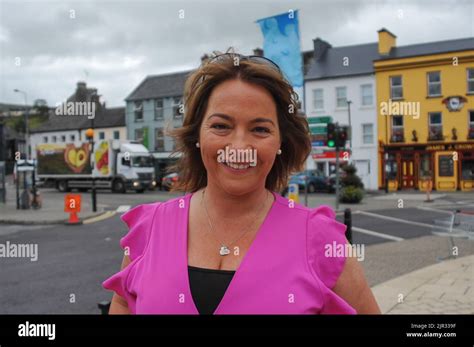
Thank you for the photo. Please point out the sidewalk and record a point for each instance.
(443, 288)
(51, 212)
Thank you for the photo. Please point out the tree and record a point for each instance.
(350, 178)
(352, 186)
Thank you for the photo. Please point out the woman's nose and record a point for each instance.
(240, 139)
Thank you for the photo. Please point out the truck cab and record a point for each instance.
(134, 168)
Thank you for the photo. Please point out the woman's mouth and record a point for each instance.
(237, 168)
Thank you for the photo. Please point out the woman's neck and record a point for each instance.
(230, 206)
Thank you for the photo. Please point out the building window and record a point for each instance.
(138, 111)
(54, 139)
(366, 95)
(397, 129)
(318, 101)
(101, 135)
(63, 138)
(116, 135)
(177, 107)
(139, 135)
(45, 139)
(158, 109)
(72, 137)
(470, 134)
(367, 134)
(434, 83)
(435, 126)
(396, 88)
(470, 81)
(341, 97)
(159, 140)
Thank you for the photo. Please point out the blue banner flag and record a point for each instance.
(282, 44)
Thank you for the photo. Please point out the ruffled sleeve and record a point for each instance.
(325, 239)
(134, 243)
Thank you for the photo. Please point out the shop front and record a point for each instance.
(442, 167)
(325, 160)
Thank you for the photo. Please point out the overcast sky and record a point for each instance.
(114, 45)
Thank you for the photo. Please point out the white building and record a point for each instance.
(108, 123)
(339, 75)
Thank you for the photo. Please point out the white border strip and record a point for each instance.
(376, 234)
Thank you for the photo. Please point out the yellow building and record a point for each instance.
(425, 115)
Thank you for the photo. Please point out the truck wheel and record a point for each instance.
(311, 188)
(118, 186)
(62, 186)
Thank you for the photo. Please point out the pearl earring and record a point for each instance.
(197, 145)
(279, 152)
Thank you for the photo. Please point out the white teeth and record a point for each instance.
(238, 167)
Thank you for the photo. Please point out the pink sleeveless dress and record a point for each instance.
(285, 270)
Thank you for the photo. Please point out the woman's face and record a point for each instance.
(242, 118)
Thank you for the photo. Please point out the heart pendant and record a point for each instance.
(224, 251)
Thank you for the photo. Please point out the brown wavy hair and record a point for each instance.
(293, 126)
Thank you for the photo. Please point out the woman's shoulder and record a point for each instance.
(143, 211)
(323, 211)
(140, 220)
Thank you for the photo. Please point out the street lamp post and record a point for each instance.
(26, 122)
(90, 137)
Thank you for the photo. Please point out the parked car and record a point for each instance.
(316, 181)
(168, 181)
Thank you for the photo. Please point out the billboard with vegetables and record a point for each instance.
(74, 159)
(64, 159)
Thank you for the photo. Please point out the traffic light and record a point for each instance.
(331, 135)
(341, 137)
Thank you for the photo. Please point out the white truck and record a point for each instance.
(113, 164)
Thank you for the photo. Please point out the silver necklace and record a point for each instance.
(224, 249)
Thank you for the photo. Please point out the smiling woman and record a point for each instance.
(231, 245)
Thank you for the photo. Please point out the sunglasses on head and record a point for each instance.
(238, 57)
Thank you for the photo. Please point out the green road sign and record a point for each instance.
(317, 130)
(319, 120)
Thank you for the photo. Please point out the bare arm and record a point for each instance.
(119, 305)
(354, 289)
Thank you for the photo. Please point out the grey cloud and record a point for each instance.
(119, 43)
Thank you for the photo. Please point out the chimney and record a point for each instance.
(320, 48)
(387, 41)
(258, 51)
(81, 85)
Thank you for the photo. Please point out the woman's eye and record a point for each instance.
(262, 130)
(219, 126)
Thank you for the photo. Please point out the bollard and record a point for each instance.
(104, 307)
(348, 223)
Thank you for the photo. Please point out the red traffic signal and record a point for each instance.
(342, 137)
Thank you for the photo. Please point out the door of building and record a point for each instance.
(407, 171)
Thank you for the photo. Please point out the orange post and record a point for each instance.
(72, 205)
